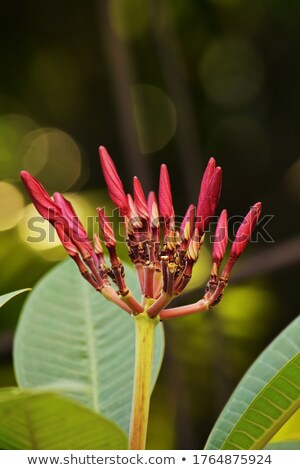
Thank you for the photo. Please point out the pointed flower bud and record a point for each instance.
(208, 200)
(187, 226)
(221, 239)
(40, 198)
(97, 245)
(165, 194)
(75, 229)
(209, 171)
(195, 245)
(139, 199)
(66, 241)
(153, 210)
(114, 184)
(245, 229)
(242, 238)
(69, 213)
(134, 219)
(106, 229)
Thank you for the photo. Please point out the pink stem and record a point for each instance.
(200, 306)
(149, 280)
(159, 304)
(140, 272)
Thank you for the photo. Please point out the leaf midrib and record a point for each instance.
(92, 351)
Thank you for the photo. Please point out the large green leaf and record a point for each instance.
(71, 340)
(6, 297)
(42, 420)
(265, 398)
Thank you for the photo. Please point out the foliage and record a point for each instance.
(43, 420)
(266, 397)
(72, 340)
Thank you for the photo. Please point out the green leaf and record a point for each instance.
(37, 420)
(6, 297)
(72, 340)
(265, 398)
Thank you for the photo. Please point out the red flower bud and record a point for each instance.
(153, 210)
(40, 198)
(114, 184)
(221, 239)
(65, 240)
(164, 193)
(209, 170)
(242, 238)
(106, 229)
(69, 213)
(187, 226)
(139, 199)
(245, 229)
(134, 219)
(208, 199)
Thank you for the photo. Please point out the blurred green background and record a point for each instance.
(160, 81)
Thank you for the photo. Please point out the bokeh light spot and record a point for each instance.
(232, 72)
(11, 206)
(53, 157)
(155, 117)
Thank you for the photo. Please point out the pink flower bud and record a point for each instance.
(106, 229)
(153, 210)
(209, 170)
(242, 238)
(221, 239)
(75, 229)
(114, 184)
(245, 229)
(65, 240)
(139, 199)
(187, 226)
(164, 193)
(40, 198)
(208, 199)
(134, 219)
(69, 213)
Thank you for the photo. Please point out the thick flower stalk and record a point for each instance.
(162, 254)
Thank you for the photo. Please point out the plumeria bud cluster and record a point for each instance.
(163, 256)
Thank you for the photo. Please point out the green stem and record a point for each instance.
(144, 347)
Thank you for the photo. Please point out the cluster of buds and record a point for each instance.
(162, 255)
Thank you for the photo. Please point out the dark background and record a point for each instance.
(160, 81)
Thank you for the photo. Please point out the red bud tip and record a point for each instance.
(245, 229)
(153, 209)
(40, 198)
(106, 229)
(164, 193)
(114, 184)
(215, 189)
(187, 226)
(221, 239)
(208, 199)
(209, 170)
(134, 219)
(139, 199)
